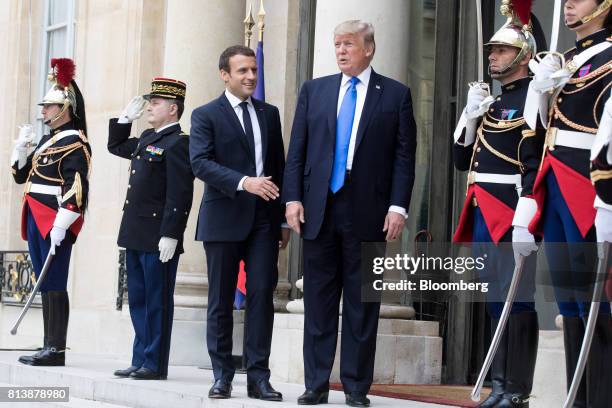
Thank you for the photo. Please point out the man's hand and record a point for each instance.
(262, 187)
(56, 236)
(478, 101)
(294, 213)
(133, 110)
(167, 247)
(394, 224)
(282, 244)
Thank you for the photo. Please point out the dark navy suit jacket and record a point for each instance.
(221, 157)
(382, 173)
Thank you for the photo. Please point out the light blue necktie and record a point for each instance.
(344, 127)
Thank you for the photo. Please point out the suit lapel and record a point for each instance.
(263, 127)
(373, 94)
(332, 97)
(226, 107)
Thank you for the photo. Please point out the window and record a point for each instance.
(57, 42)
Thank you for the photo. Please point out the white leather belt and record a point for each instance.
(569, 138)
(475, 177)
(43, 189)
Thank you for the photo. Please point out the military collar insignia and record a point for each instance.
(514, 85)
(593, 39)
(156, 151)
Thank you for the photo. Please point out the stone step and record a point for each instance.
(90, 378)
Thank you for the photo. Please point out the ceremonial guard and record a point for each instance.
(155, 214)
(56, 172)
(501, 154)
(601, 177)
(570, 94)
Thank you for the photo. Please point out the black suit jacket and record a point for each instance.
(160, 189)
(221, 157)
(383, 165)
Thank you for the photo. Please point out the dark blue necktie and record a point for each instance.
(344, 127)
(248, 126)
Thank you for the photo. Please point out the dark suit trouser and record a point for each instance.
(260, 254)
(151, 298)
(332, 267)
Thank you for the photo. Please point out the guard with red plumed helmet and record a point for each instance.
(55, 170)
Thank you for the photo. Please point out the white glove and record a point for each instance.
(548, 74)
(523, 242)
(478, 101)
(23, 145)
(56, 235)
(166, 246)
(604, 134)
(133, 110)
(603, 225)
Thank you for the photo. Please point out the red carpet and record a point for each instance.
(456, 395)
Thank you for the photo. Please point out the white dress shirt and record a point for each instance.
(235, 102)
(165, 127)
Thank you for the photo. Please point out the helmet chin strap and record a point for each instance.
(600, 9)
(498, 74)
(59, 115)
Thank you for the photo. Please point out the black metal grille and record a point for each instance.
(17, 278)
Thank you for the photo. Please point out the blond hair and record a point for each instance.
(365, 29)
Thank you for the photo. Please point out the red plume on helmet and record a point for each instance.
(522, 9)
(64, 69)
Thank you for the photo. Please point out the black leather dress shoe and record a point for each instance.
(28, 359)
(263, 390)
(221, 389)
(311, 397)
(126, 371)
(47, 357)
(144, 373)
(357, 400)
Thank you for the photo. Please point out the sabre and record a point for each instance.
(554, 34)
(480, 41)
(39, 281)
(600, 280)
(501, 326)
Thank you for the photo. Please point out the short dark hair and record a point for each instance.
(180, 106)
(229, 52)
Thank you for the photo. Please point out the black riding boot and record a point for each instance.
(573, 332)
(523, 332)
(59, 309)
(45, 311)
(598, 370)
(498, 371)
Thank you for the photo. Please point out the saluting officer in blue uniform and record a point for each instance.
(56, 174)
(155, 215)
(502, 154)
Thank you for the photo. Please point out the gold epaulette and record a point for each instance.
(597, 175)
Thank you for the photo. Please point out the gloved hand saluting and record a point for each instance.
(133, 110)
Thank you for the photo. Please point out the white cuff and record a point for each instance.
(399, 210)
(470, 130)
(241, 184)
(292, 202)
(65, 218)
(525, 210)
(123, 120)
(599, 203)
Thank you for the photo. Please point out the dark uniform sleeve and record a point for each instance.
(119, 141)
(530, 155)
(601, 176)
(74, 168)
(179, 190)
(21, 174)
